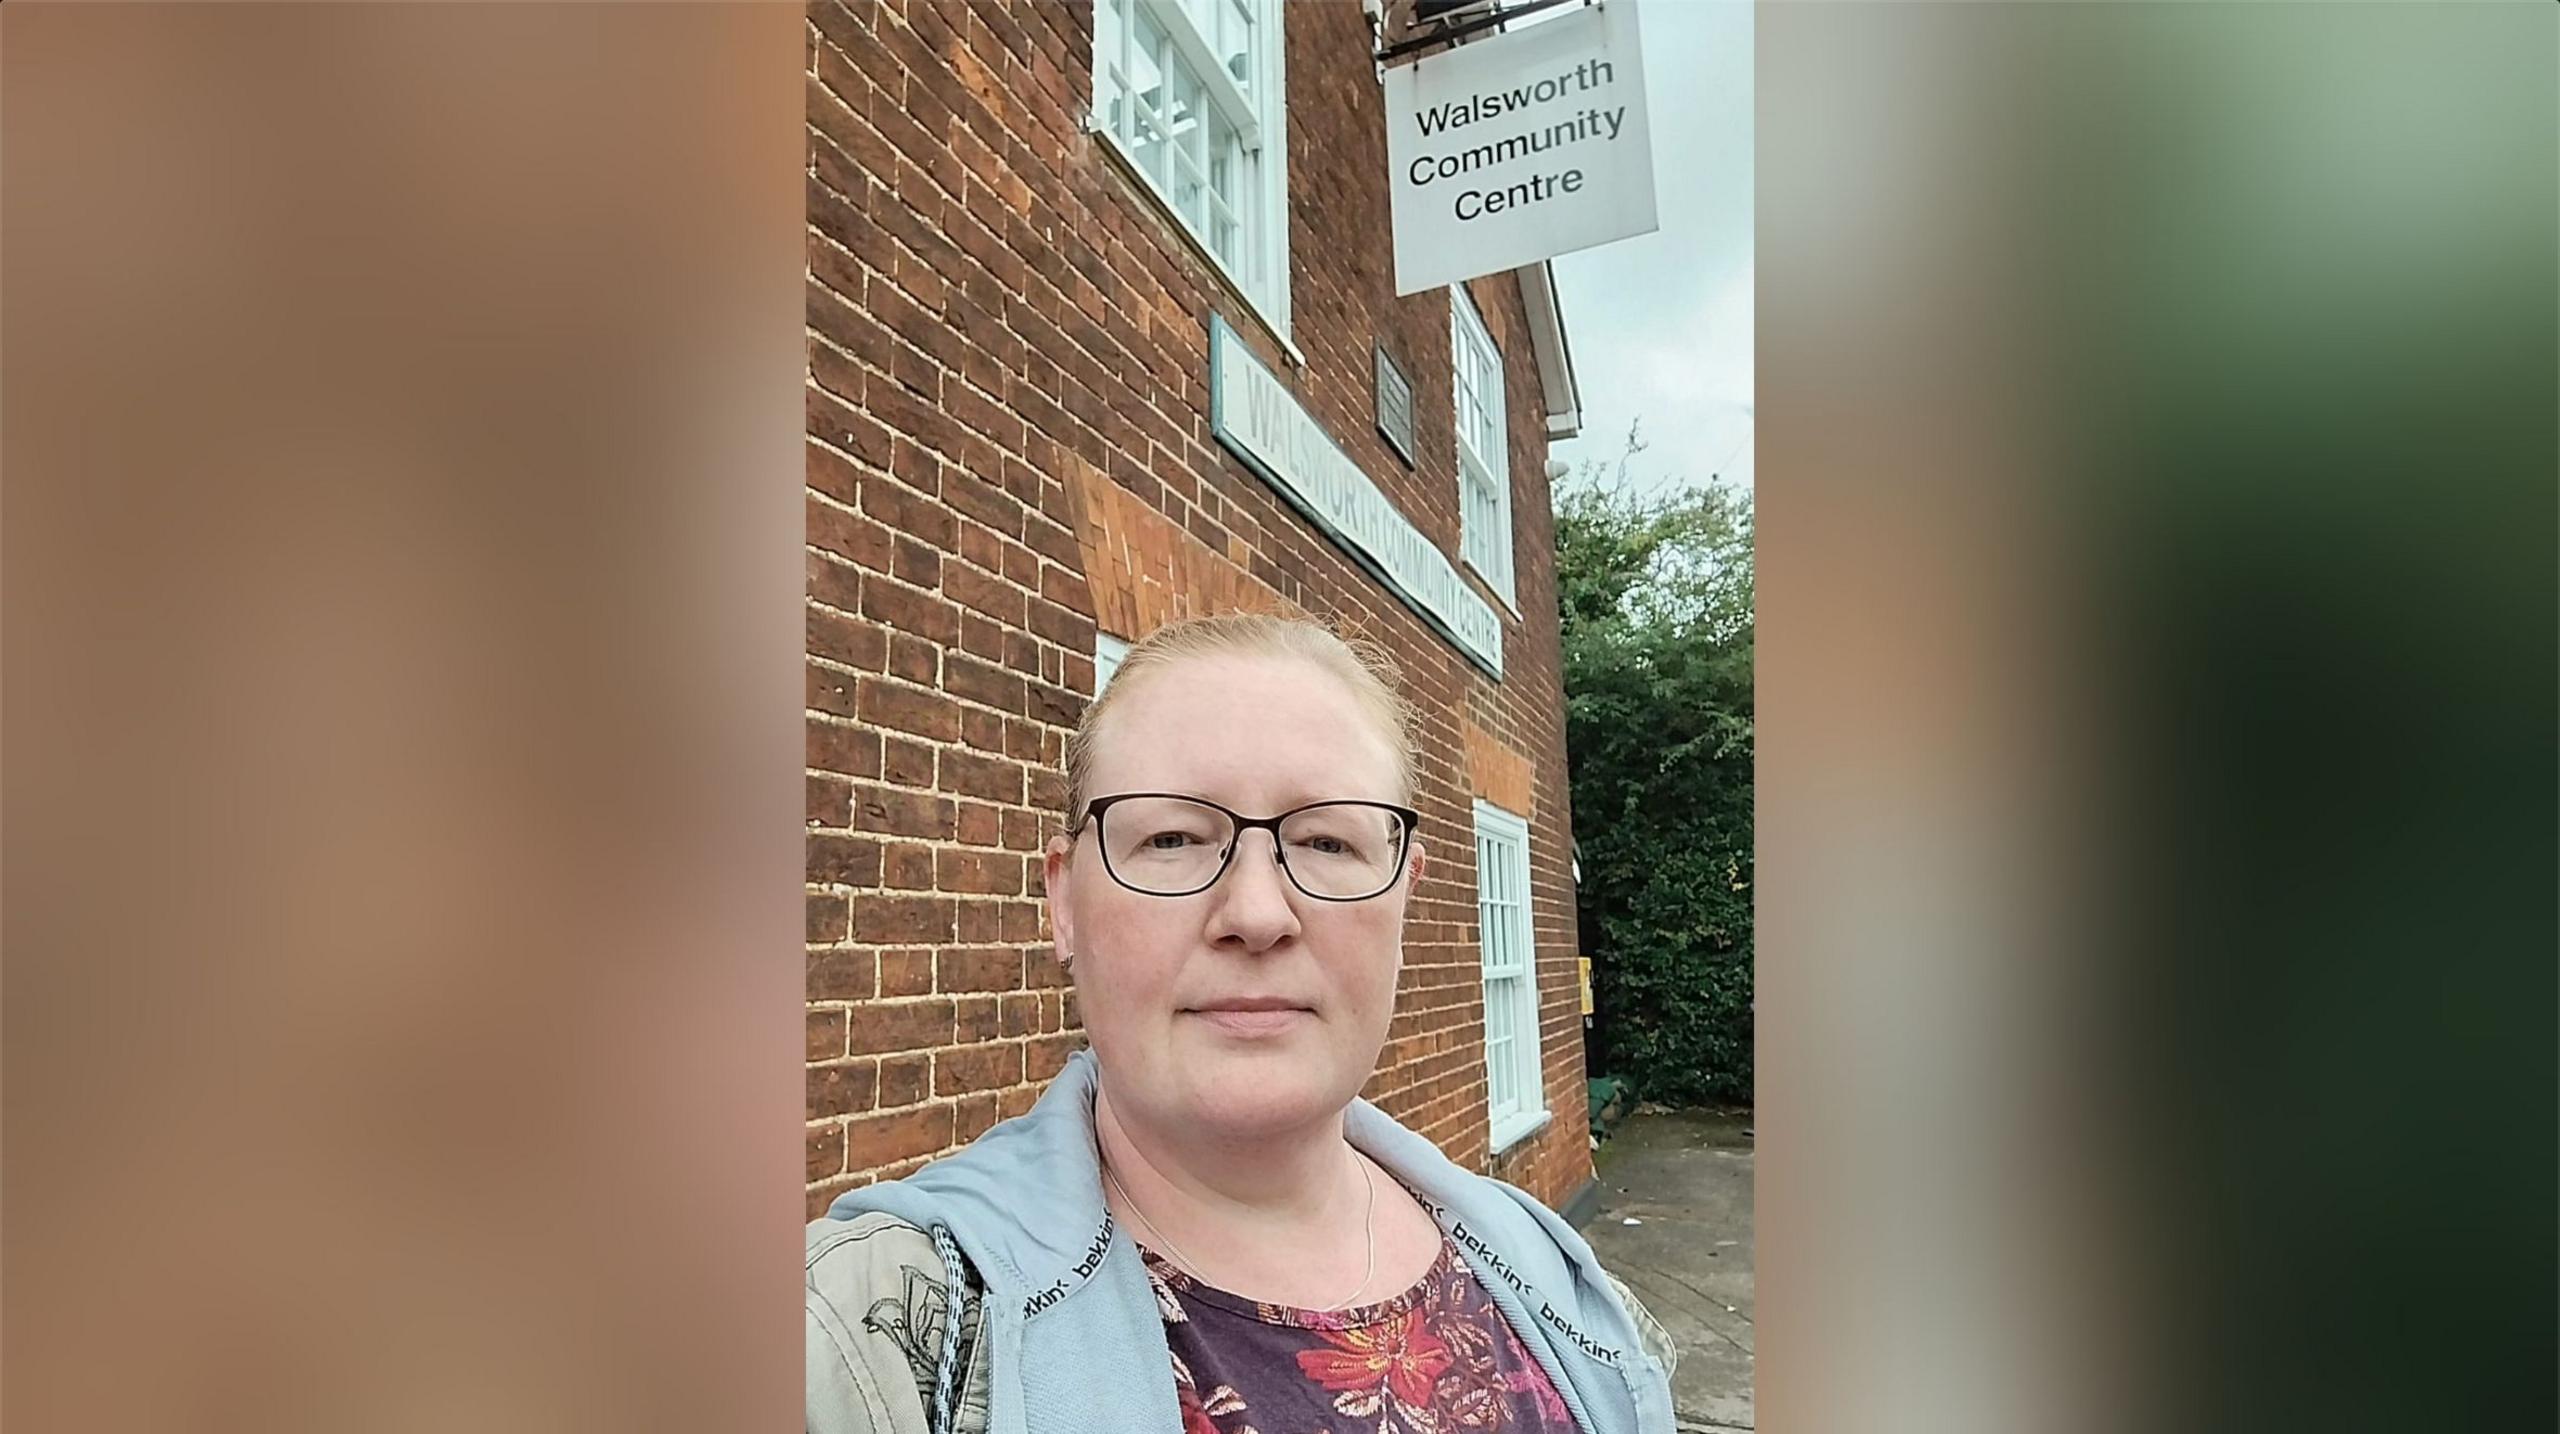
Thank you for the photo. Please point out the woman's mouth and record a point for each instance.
(1252, 1017)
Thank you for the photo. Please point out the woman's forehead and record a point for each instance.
(1250, 720)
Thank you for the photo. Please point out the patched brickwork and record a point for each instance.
(1008, 451)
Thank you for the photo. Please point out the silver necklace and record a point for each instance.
(1369, 1220)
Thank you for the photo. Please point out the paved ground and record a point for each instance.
(1686, 1176)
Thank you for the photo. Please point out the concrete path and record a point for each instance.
(1686, 1176)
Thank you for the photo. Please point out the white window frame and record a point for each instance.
(1484, 478)
(1515, 1078)
(1260, 120)
(1108, 651)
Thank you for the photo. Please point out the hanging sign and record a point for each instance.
(1505, 151)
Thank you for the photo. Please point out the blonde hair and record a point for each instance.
(1361, 665)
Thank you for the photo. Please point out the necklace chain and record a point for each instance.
(1369, 1221)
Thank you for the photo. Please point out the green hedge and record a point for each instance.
(1656, 597)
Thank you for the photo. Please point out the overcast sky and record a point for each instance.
(1661, 324)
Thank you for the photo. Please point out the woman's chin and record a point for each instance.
(1243, 1104)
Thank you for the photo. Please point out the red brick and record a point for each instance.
(1047, 790)
(1022, 739)
(829, 802)
(904, 1079)
(984, 730)
(828, 690)
(1019, 1013)
(901, 1026)
(907, 866)
(902, 918)
(975, 1115)
(976, 1068)
(977, 922)
(975, 776)
(1045, 1056)
(985, 873)
(897, 813)
(916, 563)
(906, 973)
(842, 1089)
(974, 1020)
(1021, 921)
(825, 918)
(982, 682)
(915, 659)
(842, 975)
(836, 584)
(1023, 653)
(986, 968)
(847, 640)
(1055, 705)
(1040, 968)
(979, 824)
(844, 748)
(981, 636)
(986, 593)
(843, 860)
(1070, 630)
(845, 533)
(909, 709)
(826, 1035)
(904, 609)
(878, 1140)
(826, 1150)
(906, 763)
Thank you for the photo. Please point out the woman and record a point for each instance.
(1229, 900)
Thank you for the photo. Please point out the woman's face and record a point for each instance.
(1159, 979)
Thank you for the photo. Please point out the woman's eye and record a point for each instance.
(1325, 845)
(1169, 841)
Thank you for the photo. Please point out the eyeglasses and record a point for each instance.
(1163, 844)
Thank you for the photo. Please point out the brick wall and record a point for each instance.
(1008, 449)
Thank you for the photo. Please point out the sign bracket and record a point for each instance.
(1468, 27)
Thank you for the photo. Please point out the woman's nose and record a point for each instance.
(1253, 899)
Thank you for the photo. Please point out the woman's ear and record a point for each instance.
(1413, 867)
(1055, 895)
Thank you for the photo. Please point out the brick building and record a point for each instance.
(1102, 331)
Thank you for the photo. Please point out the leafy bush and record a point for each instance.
(1656, 595)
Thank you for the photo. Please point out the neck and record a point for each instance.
(1233, 1200)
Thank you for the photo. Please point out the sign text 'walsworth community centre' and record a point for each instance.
(1520, 147)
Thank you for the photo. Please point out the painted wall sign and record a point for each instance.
(1508, 150)
(1257, 419)
(1395, 405)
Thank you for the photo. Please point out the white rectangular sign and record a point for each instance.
(1255, 417)
(1506, 151)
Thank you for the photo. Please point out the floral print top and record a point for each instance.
(1436, 1359)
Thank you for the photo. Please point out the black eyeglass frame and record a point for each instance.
(1407, 816)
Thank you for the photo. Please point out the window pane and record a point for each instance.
(1234, 42)
(1190, 192)
(1183, 120)
(1226, 161)
(1146, 60)
(1148, 137)
(1110, 103)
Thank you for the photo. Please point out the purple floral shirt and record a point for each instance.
(1436, 1359)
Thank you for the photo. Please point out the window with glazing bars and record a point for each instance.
(1515, 1090)
(1484, 448)
(1191, 91)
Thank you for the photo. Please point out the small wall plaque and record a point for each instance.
(1395, 406)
